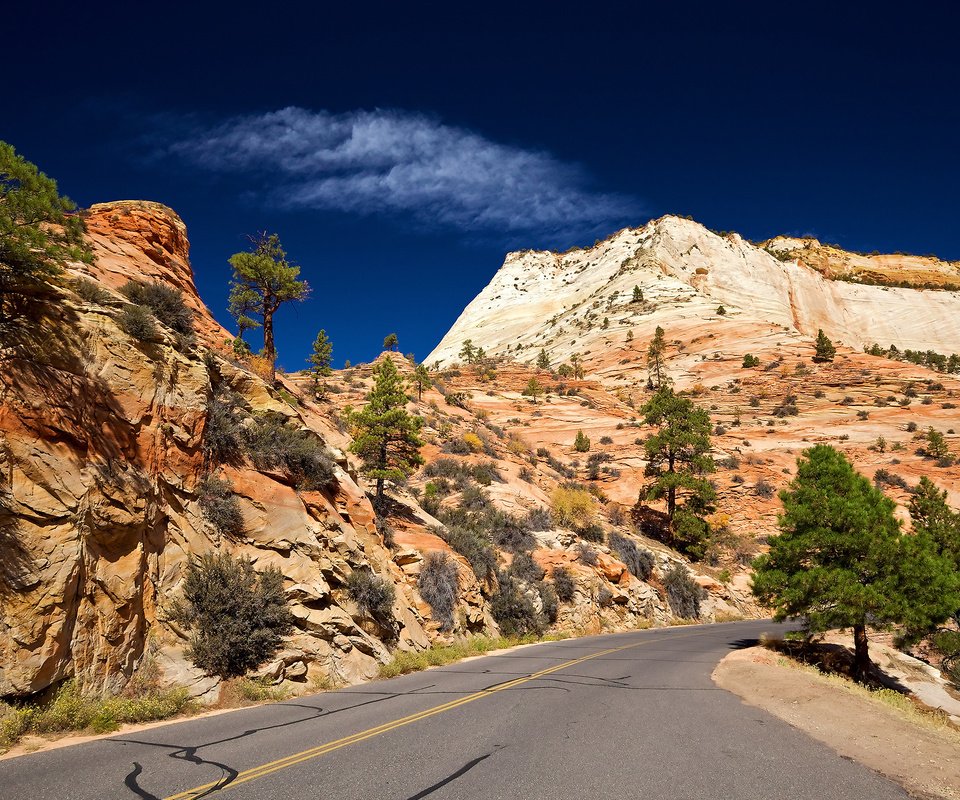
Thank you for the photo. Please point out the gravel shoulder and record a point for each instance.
(904, 745)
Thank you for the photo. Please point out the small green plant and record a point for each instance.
(750, 360)
(439, 585)
(220, 506)
(563, 583)
(582, 442)
(825, 351)
(91, 292)
(374, 596)
(138, 322)
(683, 593)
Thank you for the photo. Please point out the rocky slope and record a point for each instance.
(102, 450)
(581, 301)
(101, 456)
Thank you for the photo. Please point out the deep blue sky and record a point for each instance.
(844, 123)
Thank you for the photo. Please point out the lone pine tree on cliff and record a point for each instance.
(385, 436)
(263, 280)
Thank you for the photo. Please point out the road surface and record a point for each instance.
(629, 715)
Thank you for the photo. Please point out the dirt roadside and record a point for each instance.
(920, 755)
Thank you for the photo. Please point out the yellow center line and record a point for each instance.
(314, 752)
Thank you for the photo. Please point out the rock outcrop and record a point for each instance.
(100, 455)
(559, 301)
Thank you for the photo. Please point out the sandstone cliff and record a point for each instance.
(100, 455)
(559, 301)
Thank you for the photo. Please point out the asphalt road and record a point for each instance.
(631, 715)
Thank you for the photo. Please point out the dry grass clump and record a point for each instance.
(572, 508)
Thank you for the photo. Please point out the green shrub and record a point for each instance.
(581, 443)
(514, 610)
(750, 360)
(90, 291)
(165, 302)
(474, 546)
(374, 596)
(237, 615)
(220, 506)
(563, 583)
(639, 561)
(683, 593)
(524, 568)
(223, 434)
(138, 322)
(439, 585)
(272, 444)
(549, 601)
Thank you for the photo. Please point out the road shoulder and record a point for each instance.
(921, 756)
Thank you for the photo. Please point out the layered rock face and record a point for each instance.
(100, 455)
(559, 301)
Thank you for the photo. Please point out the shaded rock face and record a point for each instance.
(100, 454)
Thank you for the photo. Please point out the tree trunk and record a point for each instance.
(382, 465)
(861, 653)
(671, 495)
(269, 350)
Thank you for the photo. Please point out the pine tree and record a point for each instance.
(825, 350)
(678, 458)
(39, 232)
(533, 389)
(629, 336)
(385, 436)
(930, 514)
(320, 359)
(936, 444)
(467, 351)
(543, 360)
(263, 280)
(656, 366)
(637, 294)
(576, 364)
(581, 443)
(391, 342)
(840, 560)
(421, 380)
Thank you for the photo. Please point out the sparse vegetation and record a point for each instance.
(563, 583)
(274, 445)
(220, 506)
(439, 585)
(237, 615)
(374, 596)
(683, 593)
(639, 561)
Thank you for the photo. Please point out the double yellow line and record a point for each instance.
(329, 747)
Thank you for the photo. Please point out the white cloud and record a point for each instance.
(370, 162)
